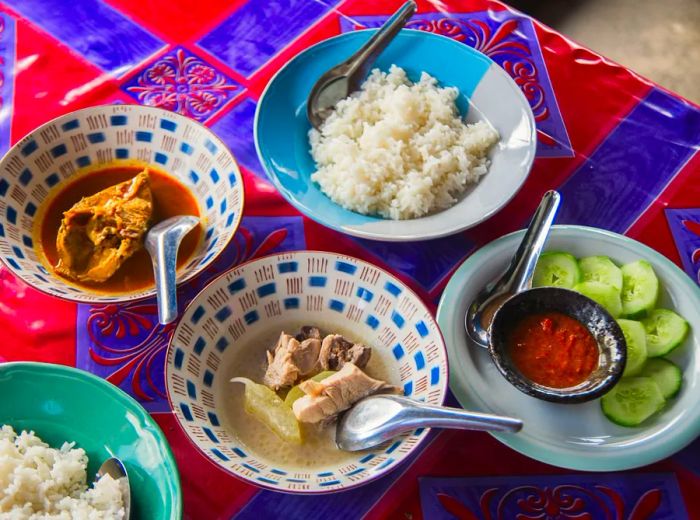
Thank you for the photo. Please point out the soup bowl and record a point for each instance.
(57, 153)
(228, 327)
(486, 93)
(63, 404)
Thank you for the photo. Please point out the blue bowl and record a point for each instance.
(486, 93)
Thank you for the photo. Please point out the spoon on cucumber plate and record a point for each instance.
(518, 276)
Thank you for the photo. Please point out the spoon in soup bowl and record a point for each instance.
(379, 418)
(162, 243)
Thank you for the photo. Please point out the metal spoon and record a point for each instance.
(162, 242)
(115, 469)
(517, 277)
(346, 77)
(378, 418)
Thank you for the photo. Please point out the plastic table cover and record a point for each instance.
(622, 151)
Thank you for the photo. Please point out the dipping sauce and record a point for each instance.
(553, 349)
(170, 198)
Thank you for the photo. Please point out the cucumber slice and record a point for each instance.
(606, 295)
(556, 269)
(601, 269)
(635, 337)
(632, 401)
(665, 374)
(665, 331)
(640, 288)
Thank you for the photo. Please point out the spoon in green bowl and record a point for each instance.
(115, 469)
(347, 77)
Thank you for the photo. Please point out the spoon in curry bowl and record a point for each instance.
(162, 243)
(346, 77)
(379, 418)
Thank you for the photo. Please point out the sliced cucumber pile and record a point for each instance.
(630, 294)
(556, 269)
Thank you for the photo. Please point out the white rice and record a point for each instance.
(41, 483)
(398, 149)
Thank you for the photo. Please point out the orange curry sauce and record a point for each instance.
(553, 349)
(170, 198)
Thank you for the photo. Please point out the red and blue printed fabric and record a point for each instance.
(622, 151)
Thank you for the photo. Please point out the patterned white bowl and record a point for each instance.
(278, 292)
(59, 149)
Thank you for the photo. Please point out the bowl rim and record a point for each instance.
(569, 395)
(394, 237)
(131, 296)
(558, 456)
(422, 442)
(123, 399)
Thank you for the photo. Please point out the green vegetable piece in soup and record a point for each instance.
(266, 406)
(296, 392)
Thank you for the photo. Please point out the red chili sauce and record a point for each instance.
(553, 349)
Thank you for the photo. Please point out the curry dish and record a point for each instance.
(91, 233)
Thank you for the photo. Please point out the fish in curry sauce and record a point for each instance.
(169, 198)
(100, 232)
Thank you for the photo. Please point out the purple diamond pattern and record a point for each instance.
(183, 82)
(510, 40)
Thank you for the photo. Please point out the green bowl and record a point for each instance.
(66, 404)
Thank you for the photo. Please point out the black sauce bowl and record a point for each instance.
(611, 343)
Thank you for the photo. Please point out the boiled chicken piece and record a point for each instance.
(325, 399)
(336, 351)
(100, 232)
(291, 360)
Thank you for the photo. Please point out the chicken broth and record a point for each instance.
(170, 198)
(318, 448)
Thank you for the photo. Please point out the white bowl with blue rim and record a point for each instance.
(280, 292)
(486, 93)
(42, 161)
(575, 436)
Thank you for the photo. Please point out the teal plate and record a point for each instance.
(575, 436)
(61, 404)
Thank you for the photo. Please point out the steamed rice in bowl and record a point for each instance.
(399, 149)
(40, 482)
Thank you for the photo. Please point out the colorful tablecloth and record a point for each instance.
(622, 151)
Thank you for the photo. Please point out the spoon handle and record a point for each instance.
(164, 268)
(522, 267)
(455, 418)
(368, 53)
